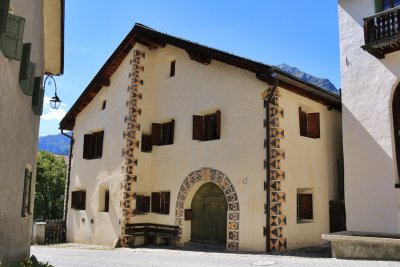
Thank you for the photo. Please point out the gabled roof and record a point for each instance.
(154, 39)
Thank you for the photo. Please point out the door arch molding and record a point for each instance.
(220, 179)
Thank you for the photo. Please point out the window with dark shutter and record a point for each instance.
(309, 124)
(304, 207)
(37, 96)
(156, 130)
(78, 200)
(93, 145)
(24, 67)
(163, 133)
(11, 39)
(155, 202)
(142, 204)
(146, 143)
(207, 127)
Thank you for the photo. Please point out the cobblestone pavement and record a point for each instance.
(71, 255)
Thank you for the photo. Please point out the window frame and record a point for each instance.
(160, 202)
(207, 127)
(78, 199)
(27, 194)
(162, 134)
(93, 145)
(309, 124)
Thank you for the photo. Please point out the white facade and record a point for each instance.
(368, 84)
(239, 153)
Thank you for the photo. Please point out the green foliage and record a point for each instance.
(32, 262)
(50, 186)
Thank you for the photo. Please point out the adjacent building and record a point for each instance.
(31, 45)
(370, 74)
(234, 152)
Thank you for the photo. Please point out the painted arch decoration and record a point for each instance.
(220, 179)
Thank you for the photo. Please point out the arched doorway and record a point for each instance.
(210, 208)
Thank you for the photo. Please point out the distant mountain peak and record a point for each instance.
(320, 82)
(56, 144)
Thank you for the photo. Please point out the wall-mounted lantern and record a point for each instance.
(55, 100)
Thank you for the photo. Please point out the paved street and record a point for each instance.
(71, 255)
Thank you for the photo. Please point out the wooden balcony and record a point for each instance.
(382, 32)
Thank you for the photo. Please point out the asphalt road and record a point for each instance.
(82, 256)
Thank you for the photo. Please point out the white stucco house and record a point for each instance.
(370, 75)
(222, 149)
(31, 46)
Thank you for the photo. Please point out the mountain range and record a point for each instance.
(320, 82)
(56, 144)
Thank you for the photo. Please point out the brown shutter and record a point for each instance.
(305, 206)
(82, 200)
(74, 199)
(198, 127)
(155, 202)
(99, 144)
(156, 134)
(146, 143)
(218, 125)
(171, 132)
(303, 122)
(146, 204)
(87, 146)
(313, 125)
(139, 204)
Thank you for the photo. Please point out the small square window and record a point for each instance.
(304, 205)
(78, 200)
(207, 127)
(93, 145)
(309, 124)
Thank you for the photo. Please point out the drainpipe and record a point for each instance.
(71, 144)
(272, 79)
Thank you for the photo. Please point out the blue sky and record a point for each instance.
(299, 33)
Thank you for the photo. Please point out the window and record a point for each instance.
(142, 204)
(27, 70)
(26, 198)
(146, 143)
(160, 202)
(12, 35)
(93, 145)
(304, 205)
(78, 200)
(162, 133)
(309, 124)
(106, 200)
(172, 69)
(103, 105)
(207, 127)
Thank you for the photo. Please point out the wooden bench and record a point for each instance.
(169, 232)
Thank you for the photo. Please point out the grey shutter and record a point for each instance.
(37, 96)
(198, 127)
(11, 39)
(27, 85)
(4, 9)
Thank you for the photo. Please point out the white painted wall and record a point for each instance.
(199, 89)
(368, 84)
(18, 135)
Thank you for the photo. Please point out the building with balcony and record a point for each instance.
(31, 45)
(370, 75)
(173, 135)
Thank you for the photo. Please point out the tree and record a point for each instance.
(50, 186)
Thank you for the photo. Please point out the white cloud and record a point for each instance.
(50, 114)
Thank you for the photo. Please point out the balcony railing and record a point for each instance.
(382, 32)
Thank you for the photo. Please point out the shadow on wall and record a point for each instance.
(369, 180)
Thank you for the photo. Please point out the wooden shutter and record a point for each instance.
(87, 146)
(75, 199)
(155, 202)
(167, 135)
(313, 125)
(28, 84)
(305, 206)
(378, 6)
(139, 204)
(198, 127)
(146, 143)
(99, 144)
(165, 199)
(24, 196)
(11, 39)
(82, 201)
(171, 132)
(146, 204)
(156, 134)
(4, 9)
(218, 125)
(24, 65)
(303, 122)
(37, 96)
(106, 200)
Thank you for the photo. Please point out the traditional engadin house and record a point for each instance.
(31, 45)
(232, 151)
(370, 74)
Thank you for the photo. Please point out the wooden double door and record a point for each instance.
(209, 207)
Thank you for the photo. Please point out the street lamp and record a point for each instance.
(55, 100)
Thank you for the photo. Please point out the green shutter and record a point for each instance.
(37, 96)
(28, 84)
(378, 6)
(24, 66)
(11, 40)
(4, 9)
